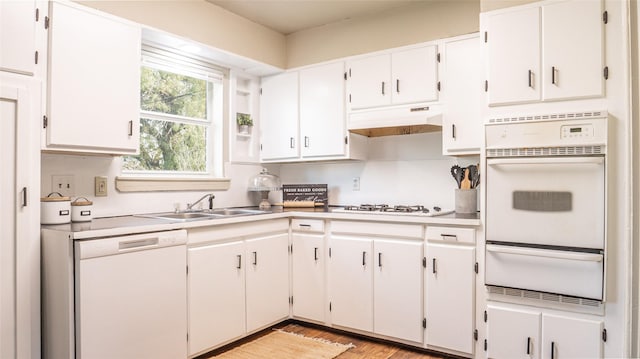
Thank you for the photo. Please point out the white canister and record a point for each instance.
(81, 210)
(55, 209)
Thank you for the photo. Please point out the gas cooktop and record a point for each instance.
(415, 210)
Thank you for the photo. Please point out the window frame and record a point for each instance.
(166, 59)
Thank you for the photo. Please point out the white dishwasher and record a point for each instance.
(129, 298)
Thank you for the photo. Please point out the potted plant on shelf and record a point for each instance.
(244, 123)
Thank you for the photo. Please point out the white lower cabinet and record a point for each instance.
(238, 281)
(375, 278)
(308, 270)
(351, 283)
(450, 288)
(397, 294)
(267, 272)
(216, 295)
(529, 333)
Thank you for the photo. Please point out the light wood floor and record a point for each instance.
(365, 348)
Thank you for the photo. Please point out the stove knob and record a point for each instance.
(437, 209)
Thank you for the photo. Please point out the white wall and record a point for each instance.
(85, 168)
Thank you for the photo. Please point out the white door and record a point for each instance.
(216, 295)
(565, 337)
(512, 333)
(463, 96)
(94, 82)
(322, 121)
(308, 276)
(551, 201)
(279, 117)
(18, 36)
(369, 82)
(132, 305)
(414, 75)
(513, 40)
(267, 271)
(450, 283)
(572, 56)
(397, 283)
(351, 282)
(20, 220)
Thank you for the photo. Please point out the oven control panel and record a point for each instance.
(576, 131)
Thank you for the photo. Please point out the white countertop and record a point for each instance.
(123, 225)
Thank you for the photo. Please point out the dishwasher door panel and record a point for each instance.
(132, 305)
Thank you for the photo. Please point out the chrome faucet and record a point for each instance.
(209, 195)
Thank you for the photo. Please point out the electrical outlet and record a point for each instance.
(63, 184)
(100, 186)
(356, 183)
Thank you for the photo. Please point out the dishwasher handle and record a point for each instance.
(138, 243)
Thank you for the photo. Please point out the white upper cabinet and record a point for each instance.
(18, 23)
(572, 57)
(322, 115)
(94, 82)
(550, 52)
(462, 96)
(414, 75)
(400, 77)
(279, 117)
(513, 40)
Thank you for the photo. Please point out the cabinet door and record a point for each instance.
(216, 295)
(267, 280)
(20, 220)
(308, 276)
(572, 50)
(513, 41)
(512, 333)
(369, 82)
(322, 122)
(414, 75)
(18, 36)
(449, 296)
(279, 117)
(351, 283)
(94, 82)
(564, 337)
(463, 97)
(397, 282)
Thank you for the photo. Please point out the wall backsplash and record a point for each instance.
(406, 169)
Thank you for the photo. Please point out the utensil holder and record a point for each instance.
(466, 200)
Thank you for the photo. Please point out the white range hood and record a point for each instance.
(397, 120)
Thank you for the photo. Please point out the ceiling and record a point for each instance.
(289, 16)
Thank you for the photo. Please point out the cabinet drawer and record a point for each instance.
(378, 229)
(307, 225)
(451, 234)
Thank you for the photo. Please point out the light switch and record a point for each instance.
(101, 186)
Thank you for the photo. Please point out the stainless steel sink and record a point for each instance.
(204, 214)
(235, 212)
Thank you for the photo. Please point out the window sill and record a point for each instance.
(164, 184)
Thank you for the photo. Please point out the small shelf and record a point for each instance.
(243, 135)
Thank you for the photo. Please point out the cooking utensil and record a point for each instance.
(458, 173)
(473, 175)
(466, 182)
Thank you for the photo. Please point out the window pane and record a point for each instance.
(169, 146)
(172, 93)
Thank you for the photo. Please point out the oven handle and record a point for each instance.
(585, 257)
(545, 160)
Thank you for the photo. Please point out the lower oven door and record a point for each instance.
(556, 201)
(578, 274)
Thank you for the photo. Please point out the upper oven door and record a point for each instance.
(558, 201)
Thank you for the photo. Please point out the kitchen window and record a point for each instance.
(181, 111)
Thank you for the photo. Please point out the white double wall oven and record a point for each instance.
(546, 207)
